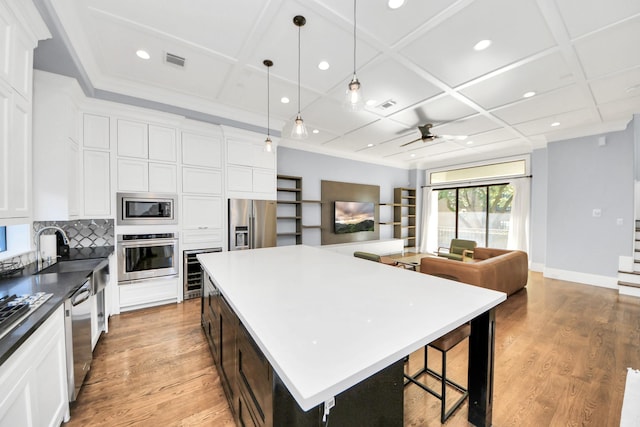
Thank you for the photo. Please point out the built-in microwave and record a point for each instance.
(147, 209)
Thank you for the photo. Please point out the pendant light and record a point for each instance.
(299, 130)
(268, 144)
(353, 97)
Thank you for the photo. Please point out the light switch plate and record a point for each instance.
(597, 213)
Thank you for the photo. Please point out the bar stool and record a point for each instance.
(443, 345)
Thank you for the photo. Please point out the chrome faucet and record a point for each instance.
(37, 238)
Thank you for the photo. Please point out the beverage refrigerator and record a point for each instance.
(252, 224)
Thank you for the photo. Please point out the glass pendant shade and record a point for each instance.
(268, 145)
(354, 101)
(299, 130)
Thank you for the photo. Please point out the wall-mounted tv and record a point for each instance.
(3, 239)
(353, 217)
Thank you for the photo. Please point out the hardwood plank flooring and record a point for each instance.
(562, 350)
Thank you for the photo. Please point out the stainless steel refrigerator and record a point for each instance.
(252, 224)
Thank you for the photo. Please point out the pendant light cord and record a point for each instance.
(298, 70)
(354, 37)
(268, 103)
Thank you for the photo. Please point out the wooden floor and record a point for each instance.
(562, 350)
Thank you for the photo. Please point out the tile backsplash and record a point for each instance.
(83, 233)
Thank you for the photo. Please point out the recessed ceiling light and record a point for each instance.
(143, 54)
(482, 45)
(323, 65)
(369, 145)
(371, 102)
(413, 154)
(315, 131)
(469, 142)
(395, 4)
(462, 137)
(554, 124)
(284, 100)
(528, 94)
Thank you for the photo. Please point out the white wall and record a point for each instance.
(314, 167)
(583, 176)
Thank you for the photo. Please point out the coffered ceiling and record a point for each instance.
(581, 58)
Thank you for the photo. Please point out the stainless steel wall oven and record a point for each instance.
(147, 256)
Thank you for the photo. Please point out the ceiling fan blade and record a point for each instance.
(411, 142)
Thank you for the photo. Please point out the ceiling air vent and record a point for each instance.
(387, 104)
(175, 59)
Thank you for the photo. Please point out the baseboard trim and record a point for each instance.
(587, 279)
(630, 291)
(537, 266)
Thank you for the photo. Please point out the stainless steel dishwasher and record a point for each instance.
(78, 337)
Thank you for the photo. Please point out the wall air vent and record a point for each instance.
(387, 104)
(174, 59)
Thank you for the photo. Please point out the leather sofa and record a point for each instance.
(498, 269)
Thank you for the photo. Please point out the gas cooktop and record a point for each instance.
(13, 309)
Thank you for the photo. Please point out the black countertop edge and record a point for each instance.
(61, 285)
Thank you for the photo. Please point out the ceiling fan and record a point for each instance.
(425, 135)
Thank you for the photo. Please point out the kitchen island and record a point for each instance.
(327, 326)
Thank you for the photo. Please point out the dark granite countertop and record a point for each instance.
(61, 285)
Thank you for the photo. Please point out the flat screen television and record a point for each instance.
(3, 239)
(353, 217)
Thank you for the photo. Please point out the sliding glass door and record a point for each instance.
(479, 213)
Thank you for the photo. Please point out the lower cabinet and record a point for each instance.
(34, 379)
(257, 396)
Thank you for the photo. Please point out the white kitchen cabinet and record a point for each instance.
(201, 212)
(133, 175)
(18, 38)
(137, 144)
(249, 154)
(34, 381)
(19, 170)
(202, 221)
(201, 181)
(144, 141)
(143, 176)
(73, 178)
(95, 131)
(21, 69)
(162, 178)
(200, 150)
(97, 183)
(148, 293)
(5, 118)
(162, 144)
(133, 139)
(6, 37)
(251, 172)
(251, 183)
(239, 178)
(56, 154)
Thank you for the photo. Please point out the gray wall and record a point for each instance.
(538, 218)
(583, 176)
(314, 167)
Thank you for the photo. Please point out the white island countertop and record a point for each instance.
(327, 321)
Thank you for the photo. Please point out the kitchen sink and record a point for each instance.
(72, 266)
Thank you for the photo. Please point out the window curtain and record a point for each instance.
(429, 234)
(518, 237)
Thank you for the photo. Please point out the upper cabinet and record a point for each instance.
(201, 150)
(20, 29)
(251, 171)
(145, 141)
(141, 148)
